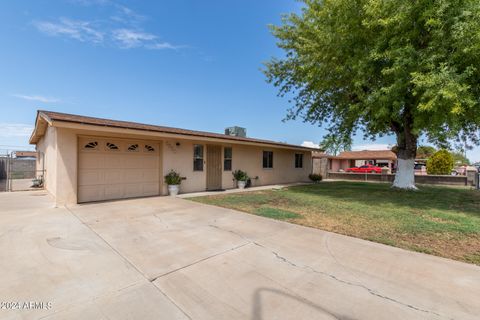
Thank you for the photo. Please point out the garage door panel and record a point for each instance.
(115, 160)
(133, 190)
(91, 177)
(91, 160)
(114, 176)
(134, 175)
(151, 189)
(133, 162)
(149, 162)
(114, 191)
(91, 193)
(114, 173)
(150, 175)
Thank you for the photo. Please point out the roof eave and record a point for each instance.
(90, 126)
(42, 121)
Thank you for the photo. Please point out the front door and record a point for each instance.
(214, 167)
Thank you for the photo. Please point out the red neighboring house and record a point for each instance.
(350, 159)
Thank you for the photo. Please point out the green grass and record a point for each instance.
(276, 213)
(443, 221)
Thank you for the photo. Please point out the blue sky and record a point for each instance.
(189, 64)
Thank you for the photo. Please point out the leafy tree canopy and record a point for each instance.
(410, 68)
(459, 158)
(425, 152)
(334, 144)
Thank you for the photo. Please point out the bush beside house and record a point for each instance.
(441, 162)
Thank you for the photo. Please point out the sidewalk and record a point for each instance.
(269, 187)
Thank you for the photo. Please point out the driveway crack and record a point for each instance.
(231, 231)
(128, 262)
(359, 285)
(199, 261)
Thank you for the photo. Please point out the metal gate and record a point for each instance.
(19, 173)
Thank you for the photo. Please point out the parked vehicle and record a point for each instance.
(368, 168)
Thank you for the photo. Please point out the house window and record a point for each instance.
(112, 146)
(91, 145)
(298, 160)
(133, 147)
(197, 157)
(267, 159)
(227, 159)
(149, 148)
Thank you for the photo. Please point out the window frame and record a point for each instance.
(91, 145)
(225, 158)
(136, 147)
(269, 163)
(112, 146)
(198, 157)
(148, 148)
(301, 160)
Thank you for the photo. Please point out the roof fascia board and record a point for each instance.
(36, 134)
(151, 133)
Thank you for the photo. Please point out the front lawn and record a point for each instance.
(443, 221)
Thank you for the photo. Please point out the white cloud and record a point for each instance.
(310, 144)
(371, 146)
(9, 130)
(163, 45)
(130, 38)
(79, 30)
(36, 98)
(121, 29)
(126, 15)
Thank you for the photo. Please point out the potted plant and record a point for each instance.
(173, 180)
(241, 177)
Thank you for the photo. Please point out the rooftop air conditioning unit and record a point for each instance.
(236, 131)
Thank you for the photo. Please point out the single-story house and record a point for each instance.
(90, 159)
(348, 159)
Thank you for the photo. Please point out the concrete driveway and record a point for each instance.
(164, 258)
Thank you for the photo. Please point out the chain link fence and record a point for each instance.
(19, 173)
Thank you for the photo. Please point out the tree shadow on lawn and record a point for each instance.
(450, 199)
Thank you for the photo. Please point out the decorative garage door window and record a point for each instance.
(149, 148)
(133, 147)
(93, 145)
(112, 146)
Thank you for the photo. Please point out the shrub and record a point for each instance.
(173, 178)
(240, 175)
(315, 177)
(441, 162)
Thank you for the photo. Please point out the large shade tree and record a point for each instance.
(334, 144)
(408, 68)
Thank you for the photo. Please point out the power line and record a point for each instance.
(9, 146)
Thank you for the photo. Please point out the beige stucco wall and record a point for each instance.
(47, 159)
(67, 155)
(180, 159)
(246, 158)
(60, 146)
(249, 159)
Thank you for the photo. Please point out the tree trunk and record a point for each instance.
(407, 150)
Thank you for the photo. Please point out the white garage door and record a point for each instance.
(117, 169)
